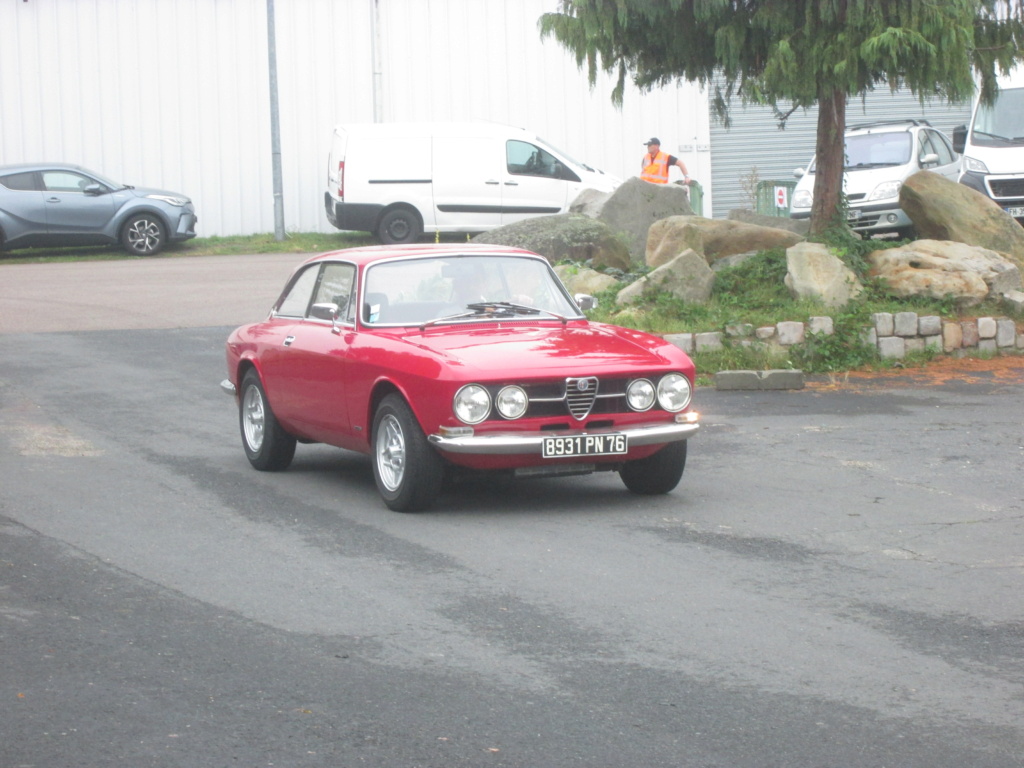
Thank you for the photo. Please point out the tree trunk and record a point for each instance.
(829, 159)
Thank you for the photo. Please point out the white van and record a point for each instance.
(993, 146)
(398, 180)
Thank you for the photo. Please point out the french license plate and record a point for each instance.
(1016, 211)
(584, 445)
(853, 215)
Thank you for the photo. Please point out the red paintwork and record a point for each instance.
(323, 386)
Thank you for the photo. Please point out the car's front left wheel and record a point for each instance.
(658, 473)
(144, 235)
(267, 446)
(407, 469)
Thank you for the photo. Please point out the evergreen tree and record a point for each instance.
(793, 54)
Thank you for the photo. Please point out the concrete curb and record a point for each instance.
(759, 380)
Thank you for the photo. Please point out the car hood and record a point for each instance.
(144, 191)
(580, 348)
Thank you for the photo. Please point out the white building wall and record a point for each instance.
(174, 93)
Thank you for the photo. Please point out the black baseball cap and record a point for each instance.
(652, 140)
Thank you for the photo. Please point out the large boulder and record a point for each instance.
(937, 269)
(747, 216)
(687, 277)
(564, 236)
(713, 238)
(588, 281)
(630, 210)
(944, 210)
(813, 272)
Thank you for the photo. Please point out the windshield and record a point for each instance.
(1002, 121)
(876, 150)
(462, 289)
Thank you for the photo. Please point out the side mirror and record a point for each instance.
(585, 301)
(929, 159)
(959, 139)
(92, 189)
(799, 173)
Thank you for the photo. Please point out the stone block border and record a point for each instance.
(894, 335)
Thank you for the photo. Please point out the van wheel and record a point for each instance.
(399, 226)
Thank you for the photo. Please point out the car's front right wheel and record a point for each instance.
(658, 473)
(407, 469)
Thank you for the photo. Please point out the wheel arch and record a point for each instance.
(126, 216)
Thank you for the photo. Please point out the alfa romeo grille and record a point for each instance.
(580, 395)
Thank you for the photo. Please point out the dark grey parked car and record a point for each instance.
(51, 205)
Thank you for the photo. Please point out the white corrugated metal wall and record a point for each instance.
(174, 93)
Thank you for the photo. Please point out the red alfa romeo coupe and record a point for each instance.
(441, 358)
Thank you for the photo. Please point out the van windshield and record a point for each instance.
(1001, 122)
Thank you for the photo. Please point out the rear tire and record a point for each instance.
(400, 225)
(267, 446)
(408, 471)
(658, 473)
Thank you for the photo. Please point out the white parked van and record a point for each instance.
(993, 146)
(398, 180)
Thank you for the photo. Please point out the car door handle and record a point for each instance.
(53, 199)
(511, 183)
(491, 181)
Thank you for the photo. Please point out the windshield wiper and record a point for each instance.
(493, 308)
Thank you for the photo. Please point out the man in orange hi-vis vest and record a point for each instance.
(654, 166)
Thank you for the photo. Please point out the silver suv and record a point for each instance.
(879, 157)
(53, 205)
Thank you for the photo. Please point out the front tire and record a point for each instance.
(267, 446)
(400, 225)
(144, 235)
(407, 469)
(658, 473)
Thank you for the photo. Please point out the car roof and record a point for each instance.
(374, 253)
(887, 126)
(24, 167)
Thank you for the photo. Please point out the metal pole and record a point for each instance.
(375, 56)
(275, 127)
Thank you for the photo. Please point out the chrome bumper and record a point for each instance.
(530, 442)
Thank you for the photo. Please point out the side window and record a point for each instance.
(336, 287)
(297, 300)
(926, 148)
(65, 181)
(525, 159)
(22, 182)
(942, 148)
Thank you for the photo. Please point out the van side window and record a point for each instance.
(525, 159)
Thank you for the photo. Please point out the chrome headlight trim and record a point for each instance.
(640, 395)
(674, 392)
(512, 402)
(472, 404)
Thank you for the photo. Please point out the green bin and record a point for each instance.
(774, 198)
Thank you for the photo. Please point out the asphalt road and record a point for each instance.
(837, 581)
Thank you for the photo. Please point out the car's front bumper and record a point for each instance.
(518, 443)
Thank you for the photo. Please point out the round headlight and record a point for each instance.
(674, 392)
(640, 394)
(511, 402)
(472, 404)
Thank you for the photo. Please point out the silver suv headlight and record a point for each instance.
(886, 190)
(171, 199)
